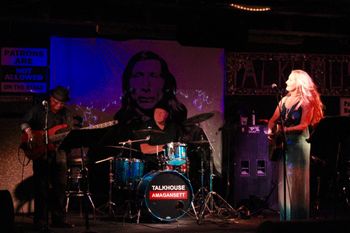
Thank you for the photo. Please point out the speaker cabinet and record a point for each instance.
(254, 175)
(7, 216)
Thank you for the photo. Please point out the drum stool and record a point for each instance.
(77, 186)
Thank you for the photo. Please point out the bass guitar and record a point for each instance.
(35, 147)
(276, 143)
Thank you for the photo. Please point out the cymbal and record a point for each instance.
(199, 118)
(122, 148)
(199, 142)
(148, 131)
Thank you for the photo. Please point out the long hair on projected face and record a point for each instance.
(146, 81)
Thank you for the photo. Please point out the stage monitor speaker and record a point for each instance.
(254, 175)
(7, 216)
(305, 226)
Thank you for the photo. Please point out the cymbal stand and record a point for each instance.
(110, 205)
(214, 204)
(200, 195)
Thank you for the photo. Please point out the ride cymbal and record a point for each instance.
(198, 118)
(149, 131)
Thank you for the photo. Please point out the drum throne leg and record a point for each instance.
(81, 189)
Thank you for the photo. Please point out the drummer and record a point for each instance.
(161, 130)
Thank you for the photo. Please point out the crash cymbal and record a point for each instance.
(122, 148)
(199, 142)
(148, 131)
(198, 118)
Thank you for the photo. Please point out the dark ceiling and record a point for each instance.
(291, 25)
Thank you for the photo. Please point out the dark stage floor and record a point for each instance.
(184, 224)
(188, 223)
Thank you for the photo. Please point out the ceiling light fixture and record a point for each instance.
(250, 8)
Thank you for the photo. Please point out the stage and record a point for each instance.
(184, 224)
(265, 222)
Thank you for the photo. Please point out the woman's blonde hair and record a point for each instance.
(307, 90)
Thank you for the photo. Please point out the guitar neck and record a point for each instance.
(61, 136)
(102, 125)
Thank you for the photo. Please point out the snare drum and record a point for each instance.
(128, 172)
(176, 153)
(167, 195)
(183, 169)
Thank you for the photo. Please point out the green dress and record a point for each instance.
(297, 170)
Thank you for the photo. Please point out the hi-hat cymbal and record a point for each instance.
(199, 118)
(149, 131)
(122, 148)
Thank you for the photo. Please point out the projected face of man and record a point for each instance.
(146, 84)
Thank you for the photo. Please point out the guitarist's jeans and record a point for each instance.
(50, 185)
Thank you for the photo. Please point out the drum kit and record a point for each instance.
(166, 194)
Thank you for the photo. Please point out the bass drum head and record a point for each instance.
(167, 195)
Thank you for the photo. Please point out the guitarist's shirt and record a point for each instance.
(35, 118)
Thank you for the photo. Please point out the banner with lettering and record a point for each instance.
(254, 73)
(24, 70)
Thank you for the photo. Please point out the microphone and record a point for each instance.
(45, 103)
(274, 87)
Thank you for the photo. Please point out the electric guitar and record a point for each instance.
(276, 143)
(35, 147)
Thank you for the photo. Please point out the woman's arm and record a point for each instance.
(306, 117)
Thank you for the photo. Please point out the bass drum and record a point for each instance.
(167, 195)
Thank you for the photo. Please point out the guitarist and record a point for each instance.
(49, 171)
(299, 109)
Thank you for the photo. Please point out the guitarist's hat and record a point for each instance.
(60, 93)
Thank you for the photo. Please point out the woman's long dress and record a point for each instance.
(295, 204)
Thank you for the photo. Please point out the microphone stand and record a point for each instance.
(284, 149)
(46, 137)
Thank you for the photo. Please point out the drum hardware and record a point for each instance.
(110, 205)
(78, 186)
(123, 148)
(80, 139)
(213, 203)
(200, 195)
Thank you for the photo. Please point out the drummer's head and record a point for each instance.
(161, 112)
